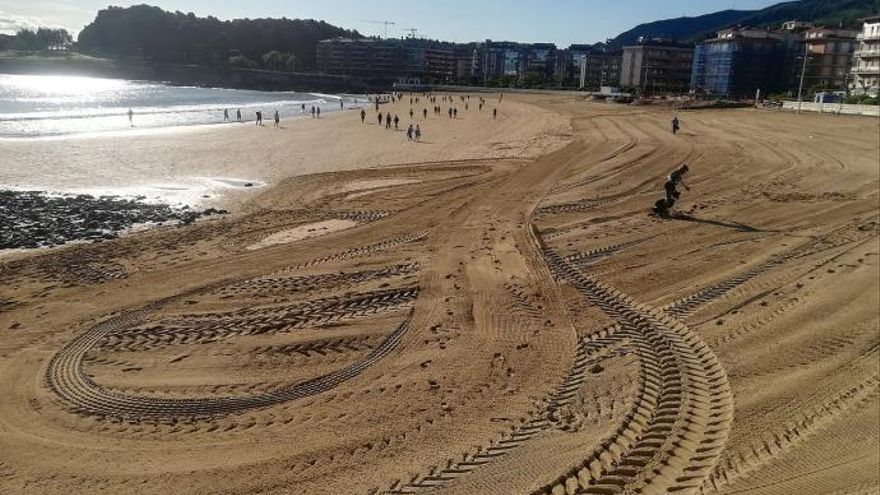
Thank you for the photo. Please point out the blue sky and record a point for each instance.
(557, 21)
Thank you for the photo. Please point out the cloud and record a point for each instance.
(12, 23)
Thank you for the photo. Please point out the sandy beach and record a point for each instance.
(185, 164)
(492, 310)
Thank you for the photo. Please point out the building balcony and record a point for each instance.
(868, 37)
(866, 71)
(868, 53)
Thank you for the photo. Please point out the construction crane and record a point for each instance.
(412, 32)
(385, 23)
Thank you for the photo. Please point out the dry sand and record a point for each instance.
(302, 232)
(511, 323)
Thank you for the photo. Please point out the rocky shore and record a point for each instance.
(33, 219)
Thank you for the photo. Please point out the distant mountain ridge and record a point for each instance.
(689, 29)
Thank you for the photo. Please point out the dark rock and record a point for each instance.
(32, 219)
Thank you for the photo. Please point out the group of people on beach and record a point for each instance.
(276, 117)
(226, 115)
(414, 131)
(258, 114)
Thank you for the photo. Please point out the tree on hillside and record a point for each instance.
(41, 39)
(54, 39)
(149, 32)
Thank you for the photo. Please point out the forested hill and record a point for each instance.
(682, 28)
(149, 32)
(823, 12)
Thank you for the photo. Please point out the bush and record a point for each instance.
(863, 100)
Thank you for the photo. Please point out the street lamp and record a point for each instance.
(803, 72)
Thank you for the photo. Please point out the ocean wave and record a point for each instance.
(177, 109)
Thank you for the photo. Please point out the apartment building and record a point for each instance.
(740, 61)
(657, 66)
(426, 60)
(866, 59)
(829, 55)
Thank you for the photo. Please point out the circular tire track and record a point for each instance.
(66, 377)
(202, 328)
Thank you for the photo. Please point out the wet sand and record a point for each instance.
(504, 316)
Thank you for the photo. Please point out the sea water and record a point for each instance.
(42, 106)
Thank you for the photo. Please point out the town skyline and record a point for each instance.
(457, 21)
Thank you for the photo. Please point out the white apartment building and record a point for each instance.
(866, 62)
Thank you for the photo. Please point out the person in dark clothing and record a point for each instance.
(676, 125)
(363, 115)
(380, 119)
(425, 113)
(675, 178)
(396, 121)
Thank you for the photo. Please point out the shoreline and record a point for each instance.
(226, 167)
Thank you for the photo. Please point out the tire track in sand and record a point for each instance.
(673, 436)
(65, 376)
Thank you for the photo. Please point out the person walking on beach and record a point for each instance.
(259, 117)
(410, 113)
(455, 113)
(238, 114)
(318, 112)
(380, 119)
(225, 115)
(494, 113)
(388, 120)
(409, 133)
(363, 115)
(424, 113)
(676, 125)
(450, 112)
(131, 117)
(341, 104)
(302, 108)
(277, 119)
(396, 120)
(418, 133)
(313, 111)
